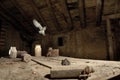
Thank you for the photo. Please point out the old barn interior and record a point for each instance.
(59, 39)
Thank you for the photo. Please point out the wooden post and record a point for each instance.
(67, 14)
(99, 11)
(82, 12)
(110, 40)
(24, 55)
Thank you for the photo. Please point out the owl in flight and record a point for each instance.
(38, 25)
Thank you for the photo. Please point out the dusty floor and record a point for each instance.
(15, 69)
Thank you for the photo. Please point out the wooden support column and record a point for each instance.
(82, 12)
(110, 40)
(99, 11)
(67, 13)
(110, 34)
(53, 15)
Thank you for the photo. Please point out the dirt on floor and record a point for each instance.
(15, 69)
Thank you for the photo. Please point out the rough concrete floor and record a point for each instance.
(15, 69)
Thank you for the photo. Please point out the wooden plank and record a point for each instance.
(1, 44)
(103, 69)
(41, 63)
(53, 15)
(82, 12)
(99, 11)
(111, 16)
(110, 40)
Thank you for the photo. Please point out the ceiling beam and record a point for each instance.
(111, 16)
(53, 15)
(16, 4)
(27, 37)
(67, 13)
(82, 12)
(7, 12)
(99, 11)
(13, 23)
(39, 14)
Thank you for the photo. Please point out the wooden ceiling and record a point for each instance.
(58, 15)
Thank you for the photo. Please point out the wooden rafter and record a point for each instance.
(27, 37)
(7, 12)
(16, 4)
(0, 24)
(82, 12)
(111, 16)
(53, 15)
(12, 22)
(44, 5)
(99, 11)
(39, 14)
(67, 13)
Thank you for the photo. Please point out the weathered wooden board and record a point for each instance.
(65, 73)
(103, 69)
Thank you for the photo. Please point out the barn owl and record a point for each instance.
(38, 25)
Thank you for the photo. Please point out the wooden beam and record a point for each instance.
(111, 16)
(39, 15)
(67, 13)
(110, 40)
(117, 7)
(16, 4)
(99, 11)
(65, 72)
(7, 12)
(53, 15)
(82, 12)
(12, 22)
(0, 24)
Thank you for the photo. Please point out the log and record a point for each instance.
(71, 72)
(24, 55)
(65, 73)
